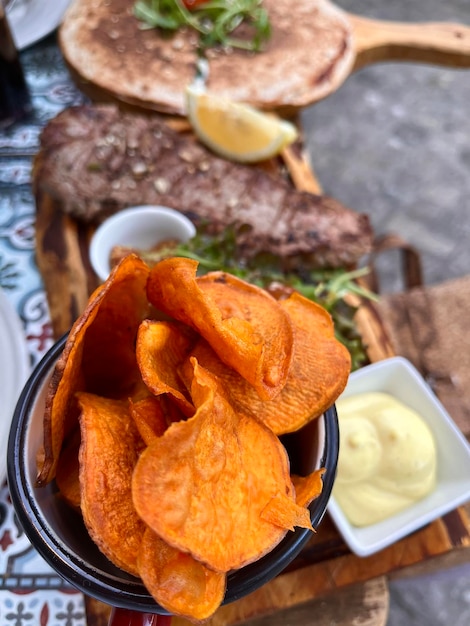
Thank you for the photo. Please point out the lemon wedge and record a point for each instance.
(236, 131)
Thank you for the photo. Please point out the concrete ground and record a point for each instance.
(394, 142)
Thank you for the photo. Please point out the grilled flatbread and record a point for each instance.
(308, 56)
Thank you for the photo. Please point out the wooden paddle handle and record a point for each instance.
(437, 43)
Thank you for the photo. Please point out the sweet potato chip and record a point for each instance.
(318, 374)
(99, 355)
(179, 583)
(245, 326)
(108, 454)
(203, 485)
(284, 512)
(67, 479)
(149, 417)
(161, 348)
(281, 509)
(307, 488)
(323, 363)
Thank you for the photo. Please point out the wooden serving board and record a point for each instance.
(325, 565)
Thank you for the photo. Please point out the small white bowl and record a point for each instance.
(399, 378)
(139, 227)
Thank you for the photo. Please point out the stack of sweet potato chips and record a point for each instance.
(163, 419)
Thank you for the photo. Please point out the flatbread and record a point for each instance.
(309, 54)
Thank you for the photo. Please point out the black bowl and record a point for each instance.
(58, 532)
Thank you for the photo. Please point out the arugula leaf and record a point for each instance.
(214, 20)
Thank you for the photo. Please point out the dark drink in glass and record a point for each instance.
(15, 101)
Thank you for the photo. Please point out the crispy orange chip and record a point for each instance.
(307, 488)
(149, 417)
(161, 348)
(318, 374)
(67, 480)
(244, 325)
(284, 512)
(212, 476)
(99, 355)
(179, 583)
(108, 454)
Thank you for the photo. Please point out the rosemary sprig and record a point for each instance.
(214, 20)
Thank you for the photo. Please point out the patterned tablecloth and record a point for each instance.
(31, 593)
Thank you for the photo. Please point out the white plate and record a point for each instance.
(14, 370)
(31, 20)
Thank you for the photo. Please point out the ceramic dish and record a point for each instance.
(14, 370)
(139, 227)
(399, 378)
(31, 20)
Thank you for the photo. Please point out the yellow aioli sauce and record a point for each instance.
(387, 458)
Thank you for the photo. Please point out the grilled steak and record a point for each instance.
(309, 54)
(96, 160)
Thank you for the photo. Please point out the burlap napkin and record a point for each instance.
(430, 327)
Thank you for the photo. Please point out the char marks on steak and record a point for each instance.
(97, 160)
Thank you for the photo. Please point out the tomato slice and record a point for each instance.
(193, 4)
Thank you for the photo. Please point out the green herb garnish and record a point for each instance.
(328, 287)
(214, 20)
